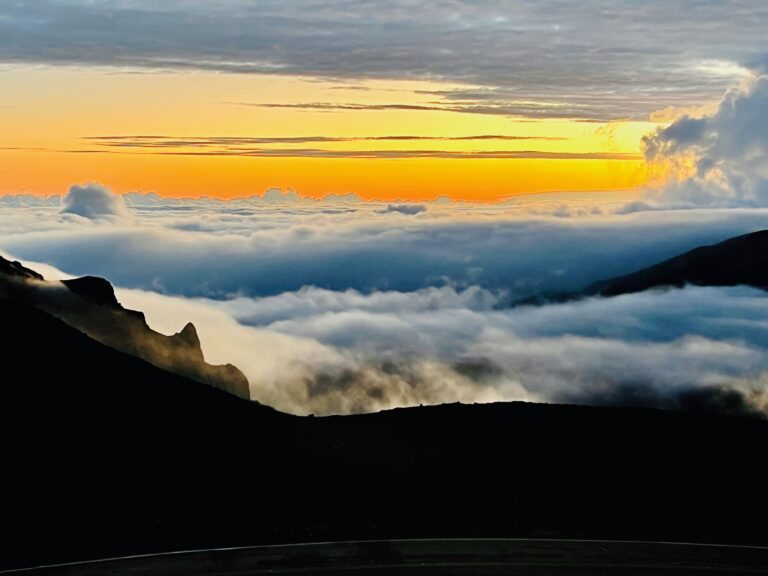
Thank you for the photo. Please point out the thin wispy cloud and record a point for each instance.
(213, 141)
(530, 110)
(395, 154)
(351, 154)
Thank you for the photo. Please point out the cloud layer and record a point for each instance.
(342, 307)
(218, 249)
(323, 352)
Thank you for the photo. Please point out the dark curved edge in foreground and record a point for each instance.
(444, 557)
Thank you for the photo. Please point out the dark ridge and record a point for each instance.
(742, 260)
(105, 455)
(89, 304)
(15, 269)
(189, 336)
(96, 289)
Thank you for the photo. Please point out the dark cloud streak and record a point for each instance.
(205, 141)
(532, 110)
(403, 154)
(360, 154)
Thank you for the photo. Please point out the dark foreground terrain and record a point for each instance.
(439, 558)
(106, 455)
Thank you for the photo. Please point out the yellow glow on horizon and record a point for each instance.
(46, 113)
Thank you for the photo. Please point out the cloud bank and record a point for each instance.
(217, 249)
(325, 352)
(333, 307)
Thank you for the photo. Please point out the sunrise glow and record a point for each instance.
(102, 117)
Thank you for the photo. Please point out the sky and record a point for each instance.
(348, 198)
(393, 99)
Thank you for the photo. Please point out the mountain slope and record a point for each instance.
(89, 304)
(739, 260)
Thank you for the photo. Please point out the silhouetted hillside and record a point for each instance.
(104, 454)
(17, 270)
(742, 260)
(739, 260)
(89, 304)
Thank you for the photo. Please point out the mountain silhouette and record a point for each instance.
(89, 305)
(742, 260)
(16, 270)
(106, 454)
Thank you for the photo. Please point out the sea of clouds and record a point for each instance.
(343, 306)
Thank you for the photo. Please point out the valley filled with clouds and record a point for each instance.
(344, 306)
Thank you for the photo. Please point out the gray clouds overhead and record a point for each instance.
(553, 58)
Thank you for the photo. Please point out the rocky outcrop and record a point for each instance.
(96, 289)
(90, 305)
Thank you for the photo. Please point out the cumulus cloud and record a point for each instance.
(408, 209)
(716, 160)
(277, 195)
(94, 201)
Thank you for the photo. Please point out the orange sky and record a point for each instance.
(48, 115)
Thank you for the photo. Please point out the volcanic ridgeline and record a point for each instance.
(89, 305)
(742, 260)
(737, 261)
